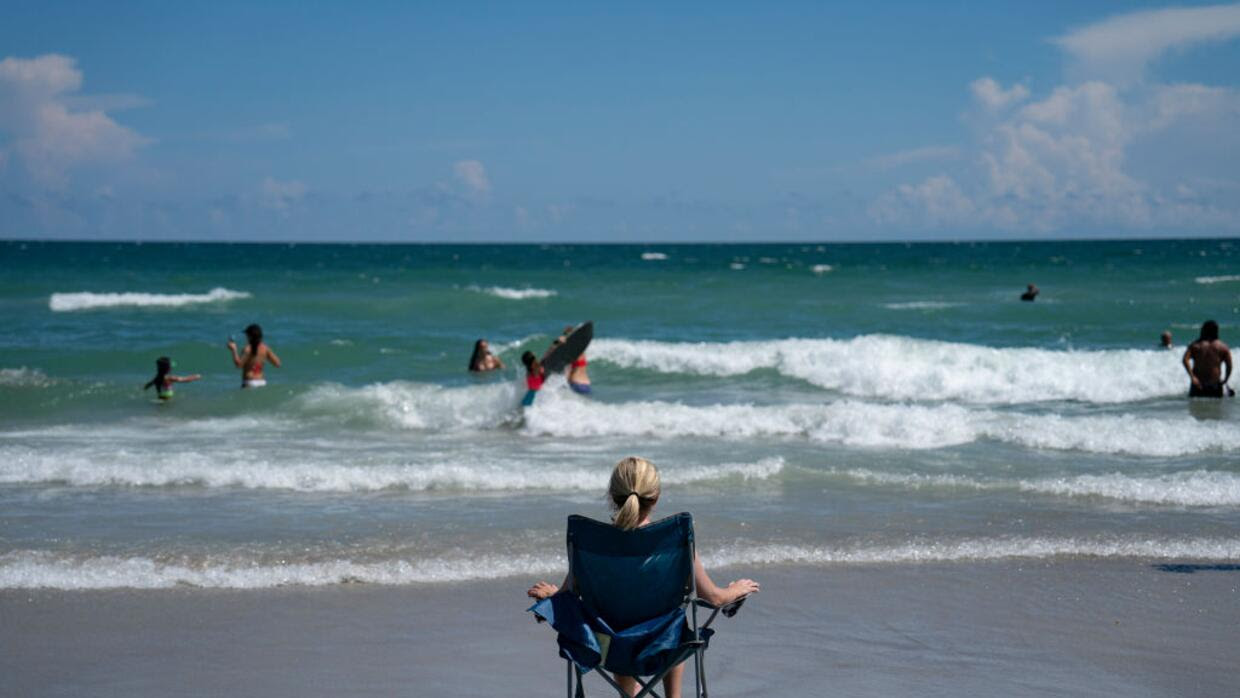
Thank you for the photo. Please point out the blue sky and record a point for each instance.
(614, 122)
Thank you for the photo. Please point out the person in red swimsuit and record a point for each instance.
(578, 376)
(251, 359)
(534, 377)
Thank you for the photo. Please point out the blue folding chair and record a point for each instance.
(630, 605)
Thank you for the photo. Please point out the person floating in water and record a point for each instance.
(1164, 340)
(163, 379)
(251, 359)
(1031, 292)
(483, 360)
(1203, 359)
(534, 377)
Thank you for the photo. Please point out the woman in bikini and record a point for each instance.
(251, 359)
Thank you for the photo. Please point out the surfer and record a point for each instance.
(1202, 361)
(534, 377)
(1164, 340)
(633, 493)
(251, 359)
(1031, 292)
(163, 380)
(483, 360)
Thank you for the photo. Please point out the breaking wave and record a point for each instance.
(890, 367)
(306, 471)
(67, 302)
(513, 294)
(24, 378)
(1217, 279)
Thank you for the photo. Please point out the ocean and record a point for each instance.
(815, 406)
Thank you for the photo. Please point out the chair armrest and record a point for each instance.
(727, 609)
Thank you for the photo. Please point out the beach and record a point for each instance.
(1012, 628)
(942, 489)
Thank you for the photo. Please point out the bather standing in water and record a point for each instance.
(1203, 361)
(578, 376)
(251, 359)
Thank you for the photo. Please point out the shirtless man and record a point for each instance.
(1202, 360)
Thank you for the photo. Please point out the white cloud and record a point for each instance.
(51, 132)
(1064, 161)
(991, 94)
(281, 195)
(1119, 48)
(928, 153)
(473, 175)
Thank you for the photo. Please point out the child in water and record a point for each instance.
(534, 376)
(163, 380)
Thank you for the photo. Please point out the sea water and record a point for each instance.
(812, 405)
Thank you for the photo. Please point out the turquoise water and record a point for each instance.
(813, 405)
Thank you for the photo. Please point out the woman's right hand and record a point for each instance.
(742, 587)
(231, 344)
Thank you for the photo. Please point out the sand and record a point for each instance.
(1066, 628)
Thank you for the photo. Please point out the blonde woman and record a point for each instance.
(633, 494)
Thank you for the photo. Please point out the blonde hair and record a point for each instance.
(634, 489)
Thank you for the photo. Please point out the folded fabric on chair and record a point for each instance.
(589, 642)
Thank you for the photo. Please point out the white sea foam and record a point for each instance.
(1196, 488)
(24, 378)
(891, 367)
(821, 268)
(1217, 279)
(978, 550)
(308, 471)
(27, 569)
(922, 305)
(654, 256)
(66, 302)
(892, 426)
(513, 294)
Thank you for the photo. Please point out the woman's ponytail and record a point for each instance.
(634, 489)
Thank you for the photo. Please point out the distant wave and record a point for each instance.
(653, 256)
(28, 569)
(1196, 488)
(24, 378)
(67, 302)
(513, 294)
(921, 305)
(893, 367)
(1217, 279)
(821, 268)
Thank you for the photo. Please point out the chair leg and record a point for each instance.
(570, 678)
(701, 668)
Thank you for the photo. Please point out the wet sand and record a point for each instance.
(1068, 628)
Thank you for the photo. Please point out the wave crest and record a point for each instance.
(68, 302)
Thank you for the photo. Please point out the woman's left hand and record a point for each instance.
(542, 590)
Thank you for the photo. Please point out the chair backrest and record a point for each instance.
(627, 577)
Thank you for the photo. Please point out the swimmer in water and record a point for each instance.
(1164, 340)
(483, 360)
(1203, 360)
(534, 376)
(251, 359)
(1031, 292)
(163, 380)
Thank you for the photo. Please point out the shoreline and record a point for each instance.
(1068, 627)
